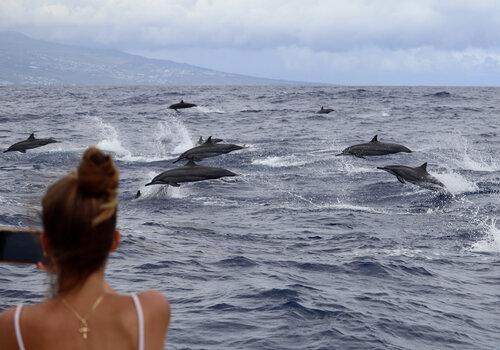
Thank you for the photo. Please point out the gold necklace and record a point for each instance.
(84, 328)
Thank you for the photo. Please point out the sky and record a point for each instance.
(347, 42)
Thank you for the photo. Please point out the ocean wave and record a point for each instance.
(367, 268)
(237, 261)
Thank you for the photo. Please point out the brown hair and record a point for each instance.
(79, 219)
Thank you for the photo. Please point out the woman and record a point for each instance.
(79, 218)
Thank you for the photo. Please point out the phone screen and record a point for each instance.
(20, 246)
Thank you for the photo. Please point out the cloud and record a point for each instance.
(342, 41)
(318, 25)
(369, 65)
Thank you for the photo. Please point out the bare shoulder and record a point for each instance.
(157, 316)
(8, 339)
(155, 301)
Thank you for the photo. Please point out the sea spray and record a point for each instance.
(490, 242)
(111, 141)
(456, 183)
(171, 138)
(466, 157)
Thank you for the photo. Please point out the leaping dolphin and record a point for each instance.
(374, 148)
(208, 149)
(325, 110)
(30, 143)
(182, 105)
(417, 176)
(201, 141)
(191, 172)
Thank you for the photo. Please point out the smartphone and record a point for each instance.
(20, 246)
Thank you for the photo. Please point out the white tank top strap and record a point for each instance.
(17, 327)
(140, 321)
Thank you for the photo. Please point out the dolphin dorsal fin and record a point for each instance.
(200, 140)
(209, 140)
(423, 166)
(31, 137)
(191, 163)
(375, 139)
(182, 101)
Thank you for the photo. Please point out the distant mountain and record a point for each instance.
(24, 60)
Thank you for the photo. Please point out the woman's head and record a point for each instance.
(79, 219)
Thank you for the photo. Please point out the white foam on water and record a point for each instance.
(279, 162)
(209, 110)
(385, 114)
(456, 183)
(353, 207)
(491, 240)
(335, 206)
(60, 147)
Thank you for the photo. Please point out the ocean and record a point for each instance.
(302, 250)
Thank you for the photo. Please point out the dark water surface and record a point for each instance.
(303, 249)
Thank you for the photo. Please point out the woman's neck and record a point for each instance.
(93, 286)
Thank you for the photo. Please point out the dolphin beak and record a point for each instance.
(149, 184)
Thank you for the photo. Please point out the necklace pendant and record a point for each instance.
(84, 329)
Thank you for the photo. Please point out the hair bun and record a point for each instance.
(97, 174)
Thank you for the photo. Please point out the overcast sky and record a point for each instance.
(403, 42)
